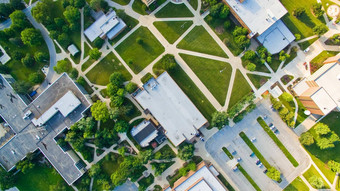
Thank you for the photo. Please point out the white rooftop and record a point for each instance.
(276, 92)
(171, 107)
(65, 105)
(72, 49)
(203, 179)
(276, 37)
(323, 100)
(258, 15)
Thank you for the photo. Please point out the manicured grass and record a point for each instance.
(57, 49)
(311, 172)
(297, 185)
(277, 142)
(172, 30)
(167, 149)
(275, 62)
(224, 181)
(101, 72)
(260, 67)
(245, 174)
(174, 10)
(122, 2)
(86, 64)
(193, 92)
(224, 34)
(225, 150)
(130, 23)
(133, 113)
(110, 166)
(39, 178)
(291, 107)
(293, 54)
(194, 4)
(146, 77)
(199, 40)
(306, 22)
(241, 88)
(86, 86)
(286, 79)
(321, 157)
(141, 55)
(86, 50)
(317, 62)
(304, 45)
(137, 6)
(257, 80)
(254, 149)
(209, 72)
(157, 165)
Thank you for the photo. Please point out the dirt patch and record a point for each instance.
(219, 30)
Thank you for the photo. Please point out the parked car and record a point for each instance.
(258, 162)
(235, 168)
(238, 159)
(260, 165)
(253, 139)
(234, 152)
(265, 171)
(276, 131)
(252, 155)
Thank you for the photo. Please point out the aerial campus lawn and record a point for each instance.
(313, 172)
(321, 157)
(317, 62)
(174, 10)
(215, 75)
(297, 185)
(241, 88)
(199, 40)
(291, 107)
(138, 55)
(100, 74)
(139, 7)
(258, 80)
(172, 30)
(306, 22)
(304, 45)
(194, 4)
(122, 2)
(193, 92)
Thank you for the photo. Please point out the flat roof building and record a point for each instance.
(144, 133)
(171, 108)
(262, 19)
(108, 25)
(70, 101)
(320, 92)
(204, 178)
(73, 49)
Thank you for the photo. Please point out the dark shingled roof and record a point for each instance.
(145, 132)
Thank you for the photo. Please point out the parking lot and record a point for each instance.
(229, 137)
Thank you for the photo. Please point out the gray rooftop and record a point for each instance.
(27, 135)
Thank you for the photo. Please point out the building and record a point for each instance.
(164, 99)
(148, 2)
(108, 25)
(73, 49)
(320, 92)
(37, 124)
(144, 133)
(262, 19)
(4, 57)
(205, 178)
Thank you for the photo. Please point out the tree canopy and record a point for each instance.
(31, 37)
(186, 151)
(100, 111)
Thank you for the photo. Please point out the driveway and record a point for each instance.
(229, 137)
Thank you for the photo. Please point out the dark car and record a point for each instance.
(252, 154)
(276, 131)
(265, 171)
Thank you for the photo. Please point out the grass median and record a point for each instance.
(245, 174)
(277, 142)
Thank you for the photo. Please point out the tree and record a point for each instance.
(95, 4)
(6, 180)
(324, 143)
(306, 138)
(122, 151)
(116, 78)
(121, 126)
(227, 24)
(4, 69)
(320, 29)
(31, 37)
(78, 3)
(251, 66)
(5, 10)
(297, 12)
(95, 171)
(99, 111)
(316, 182)
(277, 105)
(283, 111)
(74, 73)
(183, 171)
(334, 166)
(322, 129)
(242, 41)
(219, 119)
(224, 12)
(274, 174)
(86, 127)
(287, 96)
(186, 152)
(131, 87)
(28, 60)
(249, 55)
(60, 186)
(21, 87)
(240, 31)
(145, 156)
(98, 42)
(140, 41)
(36, 78)
(215, 10)
(95, 54)
(71, 14)
(297, 36)
(63, 39)
(117, 101)
(18, 19)
(317, 9)
(24, 165)
(63, 66)
(17, 4)
(40, 56)
(41, 12)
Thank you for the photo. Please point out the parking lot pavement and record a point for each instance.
(229, 137)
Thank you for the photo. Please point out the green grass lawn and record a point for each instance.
(209, 72)
(110, 166)
(241, 88)
(311, 172)
(260, 67)
(86, 49)
(167, 149)
(101, 72)
(146, 181)
(297, 185)
(134, 111)
(194, 4)
(225, 35)
(224, 181)
(226, 151)
(277, 141)
(137, 6)
(146, 77)
(275, 62)
(174, 10)
(245, 174)
(39, 178)
(321, 157)
(293, 54)
(122, 2)
(199, 40)
(304, 45)
(130, 23)
(257, 80)
(141, 55)
(86, 64)
(307, 21)
(193, 92)
(172, 30)
(317, 62)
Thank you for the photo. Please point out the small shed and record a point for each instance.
(72, 49)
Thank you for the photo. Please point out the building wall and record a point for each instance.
(310, 105)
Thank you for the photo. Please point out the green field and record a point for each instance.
(304, 45)
(306, 22)
(199, 40)
(194, 4)
(100, 74)
(137, 6)
(258, 80)
(297, 185)
(209, 72)
(122, 2)
(241, 88)
(141, 55)
(172, 30)
(245, 174)
(317, 62)
(293, 54)
(86, 64)
(174, 10)
(311, 172)
(129, 21)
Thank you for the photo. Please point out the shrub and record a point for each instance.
(98, 42)
(306, 138)
(297, 37)
(251, 67)
(227, 24)
(28, 60)
(140, 41)
(36, 78)
(322, 129)
(249, 55)
(131, 87)
(316, 182)
(297, 12)
(219, 119)
(274, 174)
(317, 9)
(320, 29)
